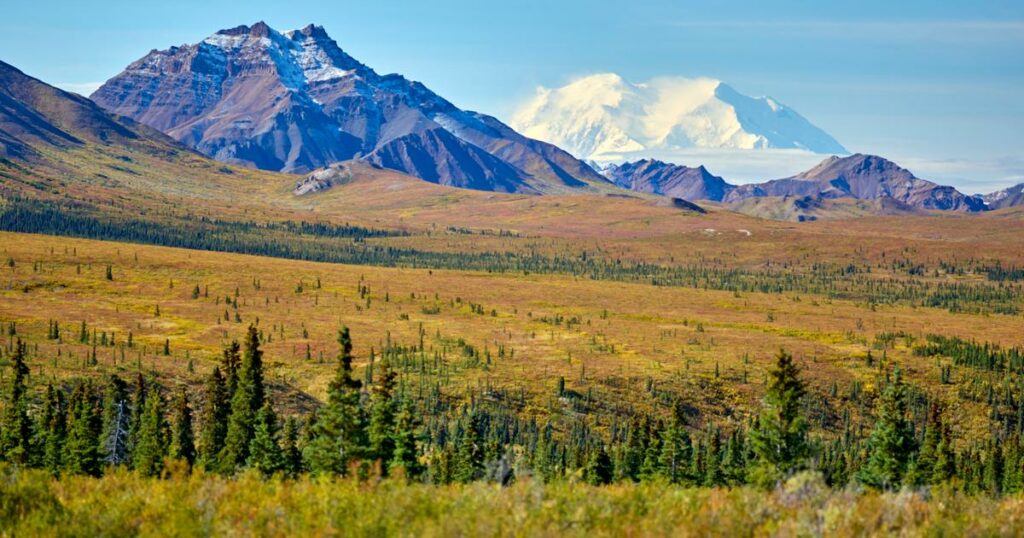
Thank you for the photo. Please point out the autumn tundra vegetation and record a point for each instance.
(214, 392)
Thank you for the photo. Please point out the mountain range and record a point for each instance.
(234, 95)
(857, 177)
(605, 118)
(296, 102)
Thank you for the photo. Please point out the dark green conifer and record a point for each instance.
(265, 453)
(381, 429)
(16, 428)
(85, 422)
(246, 403)
(213, 421)
(182, 442)
(779, 440)
(891, 446)
(406, 453)
(152, 443)
(338, 434)
(469, 460)
(676, 450)
(53, 424)
(116, 422)
(599, 468)
(292, 464)
(231, 363)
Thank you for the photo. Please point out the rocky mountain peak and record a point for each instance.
(296, 102)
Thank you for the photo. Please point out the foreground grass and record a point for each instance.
(32, 503)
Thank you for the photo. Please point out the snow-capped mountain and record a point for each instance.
(604, 117)
(295, 102)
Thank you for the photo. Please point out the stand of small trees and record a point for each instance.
(376, 430)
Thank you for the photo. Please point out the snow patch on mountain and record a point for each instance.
(604, 117)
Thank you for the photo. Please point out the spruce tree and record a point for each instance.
(630, 454)
(922, 469)
(152, 443)
(53, 424)
(338, 432)
(16, 428)
(779, 440)
(182, 445)
(469, 460)
(213, 421)
(82, 448)
(598, 469)
(993, 474)
(676, 450)
(245, 404)
(231, 363)
(292, 456)
(891, 445)
(138, 409)
(381, 430)
(406, 454)
(116, 422)
(944, 468)
(265, 453)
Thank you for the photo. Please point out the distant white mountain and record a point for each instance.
(604, 117)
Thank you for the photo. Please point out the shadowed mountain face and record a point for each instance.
(34, 114)
(296, 102)
(657, 177)
(862, 177)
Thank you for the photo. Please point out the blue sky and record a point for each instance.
(937, 86)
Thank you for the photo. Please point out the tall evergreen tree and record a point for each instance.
(598, 469)
(213, 421)
(891, 445)
(116, 422)
(944, 468)
(246, 402)
(182, 445)
(138, 409)
(265, 453)
(631, 453)
(231, 363)
(338, 432)
(16, 429)
(292, 456)
(406, 454)
(381, 430)
(53, 424)
(779, 440)
(993, 474)
(922, 469)
(469, 460)
(82, 448)
(152, 444)
(676, 449)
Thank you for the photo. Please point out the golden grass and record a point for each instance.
(633, 332)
